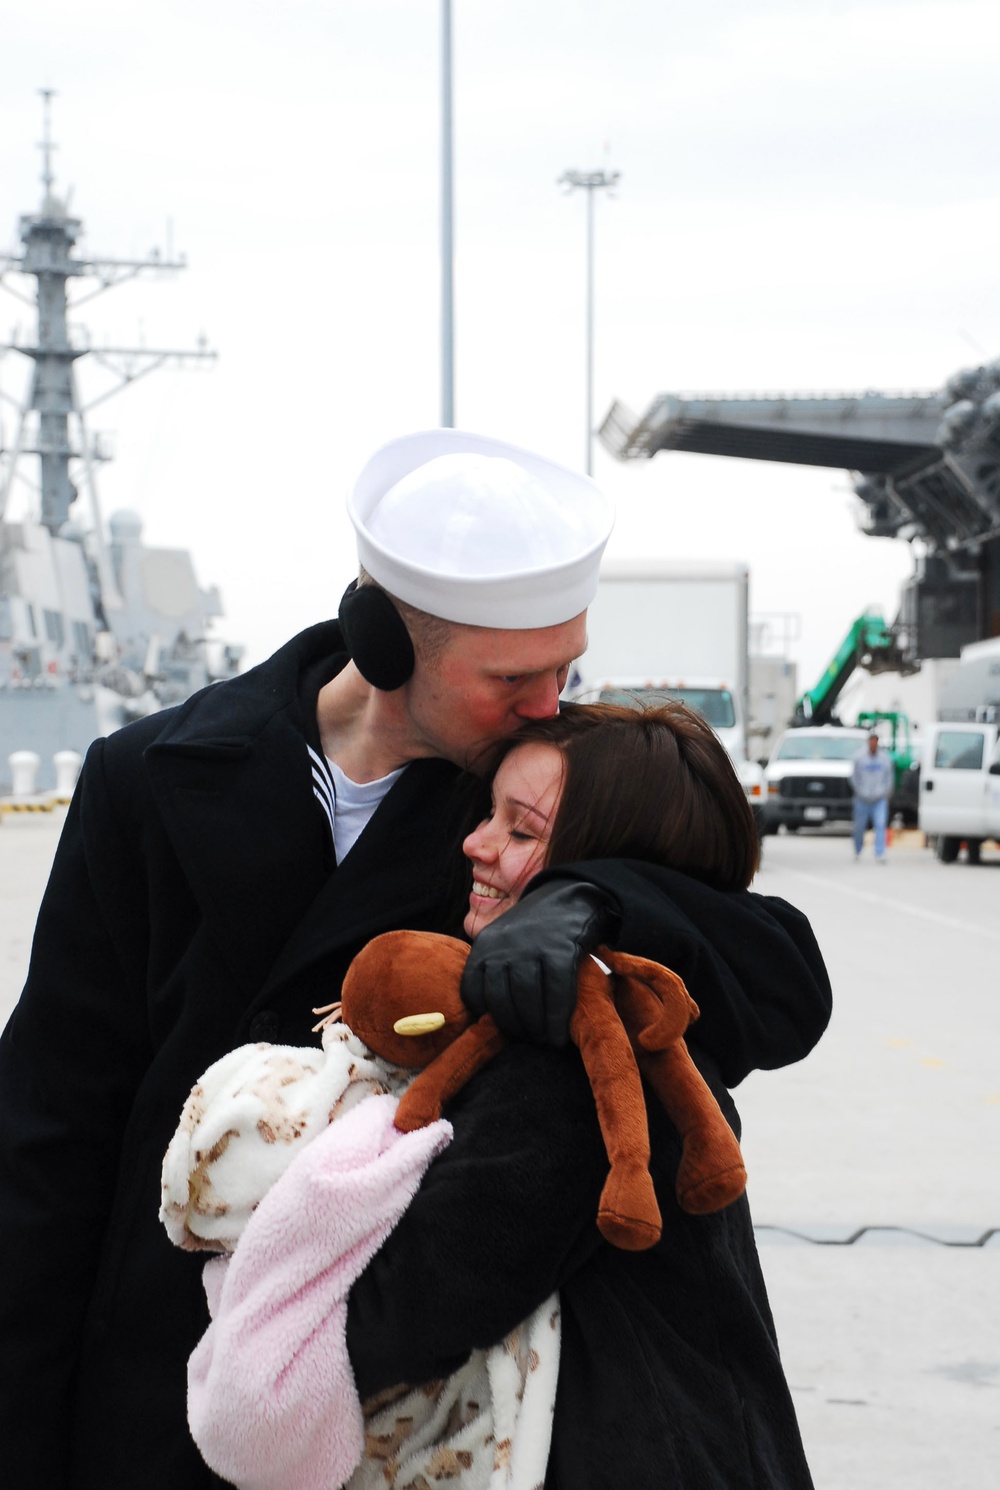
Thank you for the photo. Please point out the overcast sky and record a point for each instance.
(809, 200)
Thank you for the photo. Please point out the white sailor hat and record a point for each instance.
(474, 530)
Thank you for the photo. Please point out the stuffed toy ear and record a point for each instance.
(656, 1009)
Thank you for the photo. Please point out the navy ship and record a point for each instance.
(925, 466)
(96, 627)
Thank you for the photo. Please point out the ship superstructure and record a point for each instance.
(96, 628)
(925, 466)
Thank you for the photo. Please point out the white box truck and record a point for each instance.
(666, 627)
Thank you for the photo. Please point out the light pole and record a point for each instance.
(591, 181)
(447, 286)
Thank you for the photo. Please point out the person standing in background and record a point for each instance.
(872, 780)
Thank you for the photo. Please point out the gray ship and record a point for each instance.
(925, 466)
(96, 627)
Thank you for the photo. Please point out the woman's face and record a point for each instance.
(510, 845)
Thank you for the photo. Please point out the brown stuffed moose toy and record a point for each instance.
(401, 997)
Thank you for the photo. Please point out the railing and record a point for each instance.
(851, 395)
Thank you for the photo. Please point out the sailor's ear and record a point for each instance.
(376, 637)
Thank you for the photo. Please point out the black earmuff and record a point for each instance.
(376, 637)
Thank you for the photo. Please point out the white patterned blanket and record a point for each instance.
(279, 1161)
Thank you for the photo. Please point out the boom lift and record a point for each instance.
(870, 643)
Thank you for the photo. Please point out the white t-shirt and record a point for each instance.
(349, 805)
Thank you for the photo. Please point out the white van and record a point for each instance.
(960, 788)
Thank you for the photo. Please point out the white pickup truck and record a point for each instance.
(960, 788)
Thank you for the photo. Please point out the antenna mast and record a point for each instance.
(49, 237)
(46, 145)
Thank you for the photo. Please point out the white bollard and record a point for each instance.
(68, 764)
(23, 770)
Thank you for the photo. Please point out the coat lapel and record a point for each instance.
(398, 874)
(233, 783)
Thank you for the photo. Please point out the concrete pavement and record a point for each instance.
(27, 843)
(892, 1344)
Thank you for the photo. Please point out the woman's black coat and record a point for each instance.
(190, 909)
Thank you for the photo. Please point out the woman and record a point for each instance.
(609, 782)
(669, 1371)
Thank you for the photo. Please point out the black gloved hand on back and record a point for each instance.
(523, 967)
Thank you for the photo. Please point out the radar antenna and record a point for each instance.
(61, 436)
(46, 146)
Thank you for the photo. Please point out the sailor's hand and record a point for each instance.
(523, 967)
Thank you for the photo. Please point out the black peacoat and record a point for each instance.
(191, 908)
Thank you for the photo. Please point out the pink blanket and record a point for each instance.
(271, 1393)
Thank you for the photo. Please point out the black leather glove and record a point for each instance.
(523, 967)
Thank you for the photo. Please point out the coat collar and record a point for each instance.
(394, 876)
(228, 718)
(232, 781)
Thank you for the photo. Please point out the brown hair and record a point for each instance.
(652, 784)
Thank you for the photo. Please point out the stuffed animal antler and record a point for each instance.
(640, 1005)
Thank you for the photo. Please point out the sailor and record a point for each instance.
(221, 864)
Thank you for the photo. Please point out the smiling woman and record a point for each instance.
(605, 781)
(509, 845)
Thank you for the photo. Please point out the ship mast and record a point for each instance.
(49, 237)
